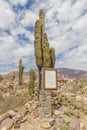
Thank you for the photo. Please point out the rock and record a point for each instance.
(84, 99)
(30, 109)
(31, 102)
(27, 105)
(30, 119)
(52, 122)
(79, 98)
(66, 120)
(37, 103)
(1, 118)
(62, 108)
(34, 106)
(4, 128)
(77, 125)
(55, 102)
(54, 94)
(34, 114)
(17, 118)
(22, 111)
(59, 122)
(5, 115)
(77, 114)
(17, 125)
(57, 113)
(6, 95)
(82, 126)
(11, 113)
(8, 122)
(45, 125)
(23, 120)
(55, 128)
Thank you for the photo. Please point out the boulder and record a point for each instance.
(4, 128)
(7, 123)
(22, 111)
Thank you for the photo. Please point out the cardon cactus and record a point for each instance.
(21, 69)
(32, 76)
(45, 57)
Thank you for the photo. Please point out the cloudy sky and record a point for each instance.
(66, 27)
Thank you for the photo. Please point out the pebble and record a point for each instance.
(45, 125)
(17, 125)
(52, 122)
(57, 113)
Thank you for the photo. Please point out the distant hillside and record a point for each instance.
(72, 73)
(69, 73)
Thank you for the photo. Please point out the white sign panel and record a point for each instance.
(50, 78)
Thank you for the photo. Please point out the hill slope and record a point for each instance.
(72, 73)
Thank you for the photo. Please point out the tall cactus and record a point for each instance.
(21, 69)
(32, 76)
(45, 57)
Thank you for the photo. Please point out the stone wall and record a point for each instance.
(45, 104)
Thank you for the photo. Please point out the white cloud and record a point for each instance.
(18, 2)
(66, 28)
(29, 18)
(7, 16)
(26, 50)
(81, 24)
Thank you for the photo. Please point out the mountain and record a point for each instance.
(72, 73)
(68, 73)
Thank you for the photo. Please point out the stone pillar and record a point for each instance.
(45, 102)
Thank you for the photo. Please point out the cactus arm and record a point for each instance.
(52, 55)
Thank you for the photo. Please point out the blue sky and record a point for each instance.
(65, 24)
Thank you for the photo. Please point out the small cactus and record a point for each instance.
(1, 78)
(21, 69)
(32, 76)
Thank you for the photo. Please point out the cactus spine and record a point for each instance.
(45, 57)
(21, 69)
(32, 76)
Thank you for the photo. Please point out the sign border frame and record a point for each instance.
(51, 69)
